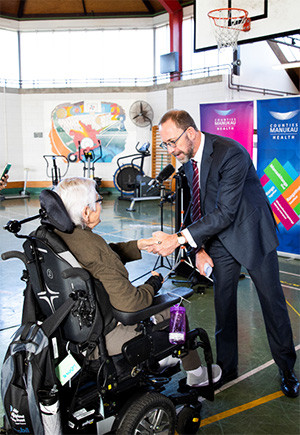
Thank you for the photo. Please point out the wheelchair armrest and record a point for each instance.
(160, 303)
(14, 254)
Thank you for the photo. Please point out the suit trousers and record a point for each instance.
(265, 277)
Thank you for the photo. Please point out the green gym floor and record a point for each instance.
(251, 404)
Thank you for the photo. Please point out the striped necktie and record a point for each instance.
(196, 209)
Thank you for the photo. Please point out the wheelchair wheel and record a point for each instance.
(188, 421)
(152, 413)
(125, 178)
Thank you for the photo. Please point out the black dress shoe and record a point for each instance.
(289, 383)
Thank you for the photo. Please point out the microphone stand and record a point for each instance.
(160, 260)
(182, 255)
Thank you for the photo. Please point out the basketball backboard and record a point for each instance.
(269, 19)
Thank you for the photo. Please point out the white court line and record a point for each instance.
(289, 273)
(248, 374)
(282, 285)
(291, 287)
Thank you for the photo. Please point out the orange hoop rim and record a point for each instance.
(245, 16)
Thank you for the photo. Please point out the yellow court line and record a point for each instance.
(291, 306)
(241, 408)
(292, 284)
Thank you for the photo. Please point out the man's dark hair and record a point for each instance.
(181, 118)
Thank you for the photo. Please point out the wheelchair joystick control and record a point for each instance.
(13, 226)
(177, 325)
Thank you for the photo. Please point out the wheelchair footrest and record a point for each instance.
(207, 392)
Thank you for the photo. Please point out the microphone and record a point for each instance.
(162, 176)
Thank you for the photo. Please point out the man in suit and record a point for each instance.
(232, 226)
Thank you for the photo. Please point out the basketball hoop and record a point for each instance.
(227, 24)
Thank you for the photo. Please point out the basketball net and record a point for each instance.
(227, 23)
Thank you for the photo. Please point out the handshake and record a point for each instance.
(164, 244)
(160, 243)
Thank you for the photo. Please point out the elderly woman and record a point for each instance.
(106, 263)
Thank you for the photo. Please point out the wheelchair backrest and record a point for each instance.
(47, 259)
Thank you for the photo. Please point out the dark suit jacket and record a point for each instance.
(234, 205)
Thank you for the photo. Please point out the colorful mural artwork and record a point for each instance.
(87, 126)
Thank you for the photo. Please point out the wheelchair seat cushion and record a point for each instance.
(54, 213)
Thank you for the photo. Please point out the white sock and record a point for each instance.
(196, 372)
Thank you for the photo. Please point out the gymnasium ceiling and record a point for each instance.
(47, 9)
(24, 10)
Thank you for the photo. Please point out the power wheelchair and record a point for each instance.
(122, 394)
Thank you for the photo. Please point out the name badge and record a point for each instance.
(67, 369)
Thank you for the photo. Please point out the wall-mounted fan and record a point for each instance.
(141, 113)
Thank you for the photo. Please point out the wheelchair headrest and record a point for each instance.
(54, 213)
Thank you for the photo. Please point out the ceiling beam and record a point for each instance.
(21, 8)
(149, 6)
(292, 73)
(171, 6)
(84, 8)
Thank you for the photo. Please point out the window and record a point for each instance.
(85, 57)
(9, 65)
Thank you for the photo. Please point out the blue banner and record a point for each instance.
(278, 165)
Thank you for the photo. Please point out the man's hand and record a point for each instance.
(165, 243)
(146, 244)
(201, 258)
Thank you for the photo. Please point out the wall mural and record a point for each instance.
(84, 127)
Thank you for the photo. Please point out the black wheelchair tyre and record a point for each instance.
(152, 413)
(188, 421)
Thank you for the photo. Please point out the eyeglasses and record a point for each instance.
(172, 143)
(100, 199)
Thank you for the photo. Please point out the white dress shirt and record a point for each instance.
(198, 159)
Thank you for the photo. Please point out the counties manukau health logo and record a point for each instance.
(225, 121)
(284, 128)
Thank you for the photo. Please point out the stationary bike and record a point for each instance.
(86, 154)
(129, 178)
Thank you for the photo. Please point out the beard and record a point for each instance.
(185, 156)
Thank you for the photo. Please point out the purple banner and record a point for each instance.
(234, 120)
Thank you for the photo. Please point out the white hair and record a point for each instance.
(77, 193)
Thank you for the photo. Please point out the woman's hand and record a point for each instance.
(154, 273)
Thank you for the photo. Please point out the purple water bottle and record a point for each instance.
(177, 325)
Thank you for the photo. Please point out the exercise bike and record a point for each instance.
(86, 154)
(129, 178)
(55, 170)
